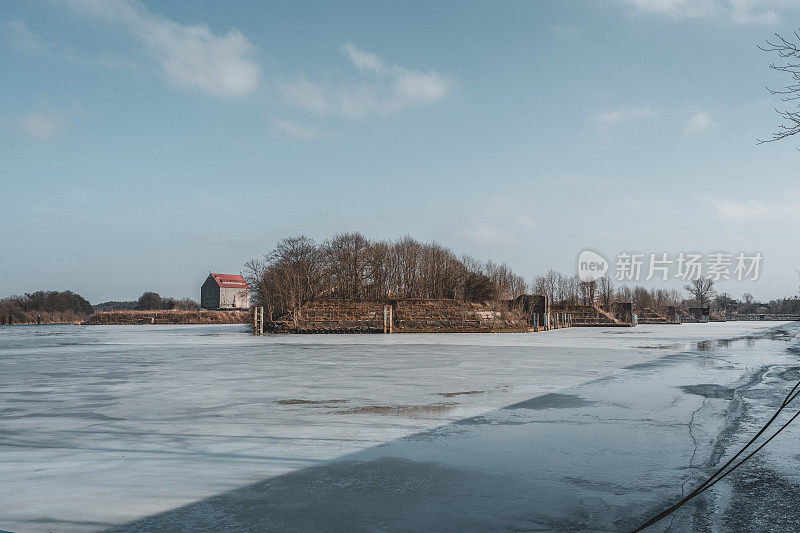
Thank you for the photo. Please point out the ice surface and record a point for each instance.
(104, 425)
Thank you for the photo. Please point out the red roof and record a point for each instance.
(234, 281)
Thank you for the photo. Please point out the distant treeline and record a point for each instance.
(748, 305)
(351, 266)
(66, 306)
(149, 301)
(129, 305)
(567, 291)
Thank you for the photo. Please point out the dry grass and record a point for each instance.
(170, 316)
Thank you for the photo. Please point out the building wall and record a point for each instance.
(209, 294)
(233, 298)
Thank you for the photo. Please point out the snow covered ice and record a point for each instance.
(570, 429)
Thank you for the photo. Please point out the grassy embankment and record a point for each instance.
(169, 316)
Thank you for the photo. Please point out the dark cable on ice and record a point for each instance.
(722, 472)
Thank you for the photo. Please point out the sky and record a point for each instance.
(144, 144)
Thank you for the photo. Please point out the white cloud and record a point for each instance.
(697, 123)
(501, 222)
(42, 125)
(17, 34)
(380, 88)
(297, 131)
(748, 211)
(190, 56)
(486, 235)
(623, 114)
(503, 208)
(765, 12)
(363, 60)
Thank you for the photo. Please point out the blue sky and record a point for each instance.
(145, 144)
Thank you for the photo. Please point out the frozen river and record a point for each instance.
(207, 427)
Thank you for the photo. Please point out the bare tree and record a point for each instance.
(702, 290)
(605, 289)
(479, 288)
(546, 284)
(345, 259)
(588, 291)
(789, 53)
(724, 303)
(675, 297)
(624, 294)
(641, 298)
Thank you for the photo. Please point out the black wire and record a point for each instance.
(751, 454)
(711, 481)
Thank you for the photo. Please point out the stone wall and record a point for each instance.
(407, 316)
(457, 316)
(334, 316)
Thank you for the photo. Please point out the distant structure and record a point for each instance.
(700, 314)
(225, 291)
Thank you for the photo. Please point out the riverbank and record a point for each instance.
(169, 316)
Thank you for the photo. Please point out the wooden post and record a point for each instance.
(258, 321)
(385, 318)
(391, 325)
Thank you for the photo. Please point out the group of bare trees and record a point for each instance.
(568, 291)
(351, 266)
